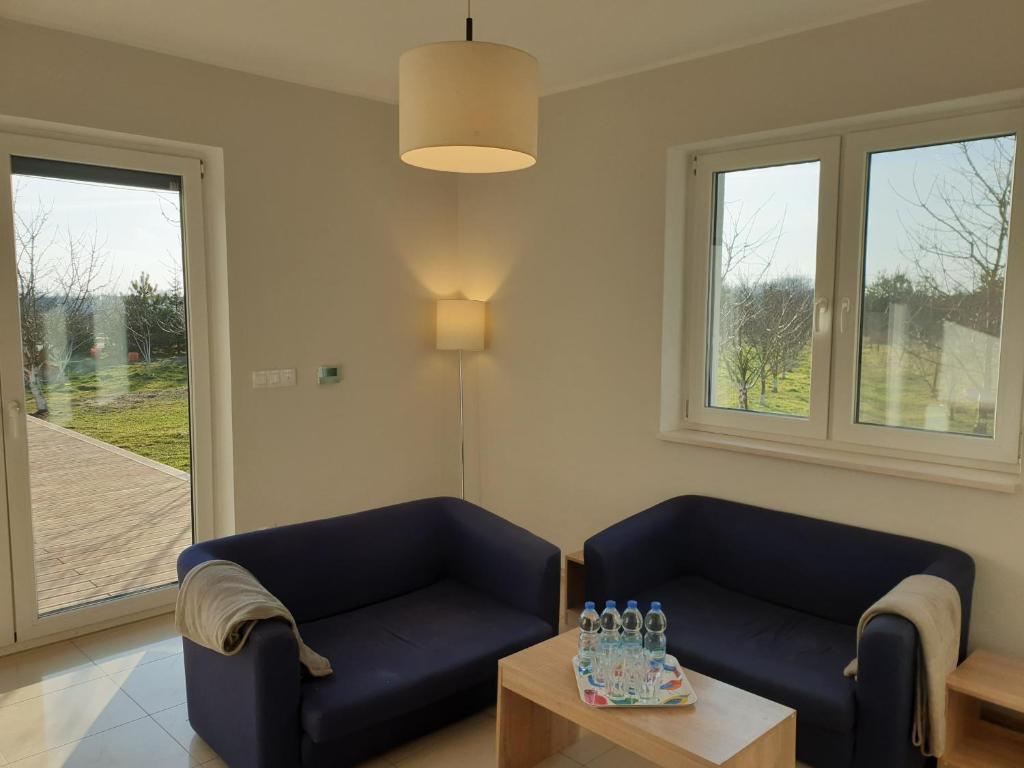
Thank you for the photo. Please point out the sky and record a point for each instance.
(136, 227)
(785, 199)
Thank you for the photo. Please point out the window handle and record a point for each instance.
(820, 305)
(844, 310)
(14, 419)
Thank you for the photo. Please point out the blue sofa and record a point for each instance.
(770, 602)
(413, 604)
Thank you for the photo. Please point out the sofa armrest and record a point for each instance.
(958, 569)
(887, 667)
(635, 555)
(246, 706)
(505, 561)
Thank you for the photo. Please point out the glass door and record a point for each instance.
(96, 381)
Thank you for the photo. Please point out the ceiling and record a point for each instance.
(352, 46)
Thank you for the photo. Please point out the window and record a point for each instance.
(765, 237)
(938, 220)
(858, 293)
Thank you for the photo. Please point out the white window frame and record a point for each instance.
(965, 460)
(700, 273)
(1004, 446)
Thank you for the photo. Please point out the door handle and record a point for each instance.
(14, 419)
(820, 305)
(844, 310)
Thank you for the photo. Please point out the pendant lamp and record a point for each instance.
(467, 106)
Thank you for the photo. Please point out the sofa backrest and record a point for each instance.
(326, 567)
(827, 569)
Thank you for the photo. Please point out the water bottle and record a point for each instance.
(608, 644)
(655, 645)
(632, 650)
(590, 626)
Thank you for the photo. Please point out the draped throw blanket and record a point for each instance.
(219, 603)
(932, 605)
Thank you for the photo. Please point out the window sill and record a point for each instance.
(967, 477)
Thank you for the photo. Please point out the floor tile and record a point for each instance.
(45, 722)
(175, 722)
(133, 644)
(620, 758)
(589, 747)
(467, 744)
(155, 686)
(43, 670)
(141, 743)
(558, 761)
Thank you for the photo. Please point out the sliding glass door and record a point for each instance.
(96, 342)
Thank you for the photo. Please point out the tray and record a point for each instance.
(674, 690)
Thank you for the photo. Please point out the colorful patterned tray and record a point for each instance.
(674, 690)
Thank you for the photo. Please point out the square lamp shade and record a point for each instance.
(460, 324)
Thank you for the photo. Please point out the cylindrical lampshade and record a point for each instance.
(460, 324)
(468, 107)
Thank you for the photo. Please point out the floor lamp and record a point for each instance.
(460, 326)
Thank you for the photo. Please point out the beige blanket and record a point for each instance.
(933, 606)
(219, 603)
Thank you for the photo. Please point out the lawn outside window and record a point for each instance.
(854, 297)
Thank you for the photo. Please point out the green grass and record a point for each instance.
(793, 397)
(915, 396)
(141, 407)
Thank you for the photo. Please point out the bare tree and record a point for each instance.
(754, 323)
(958, 243)
(55, 294)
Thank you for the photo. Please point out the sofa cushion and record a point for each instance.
(397, 656)
(790, 657)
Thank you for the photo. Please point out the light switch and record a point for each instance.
(273, 378)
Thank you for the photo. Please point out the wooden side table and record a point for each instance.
(973, 741)
(575, 582)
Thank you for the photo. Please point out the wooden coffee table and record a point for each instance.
(540, 713)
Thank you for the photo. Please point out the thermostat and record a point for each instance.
(328, 374)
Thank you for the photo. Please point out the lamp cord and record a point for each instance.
(469, 20)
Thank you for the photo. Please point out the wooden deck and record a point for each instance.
(106, 521)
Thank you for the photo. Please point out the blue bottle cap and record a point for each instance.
(631, 603)
(588, 606)
(609, 603)
(655, 605)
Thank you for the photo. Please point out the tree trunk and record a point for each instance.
(37, 391)
(744, 399)
(763, 401)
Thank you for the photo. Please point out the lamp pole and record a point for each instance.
(462, 429)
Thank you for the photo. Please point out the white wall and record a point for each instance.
(335, 252)
(570, 255)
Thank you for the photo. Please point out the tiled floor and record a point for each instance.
(116, 700)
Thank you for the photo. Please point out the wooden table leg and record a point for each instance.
(528, 733)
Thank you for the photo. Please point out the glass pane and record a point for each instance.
(934, 270)
(762, 292)
(104, 342)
